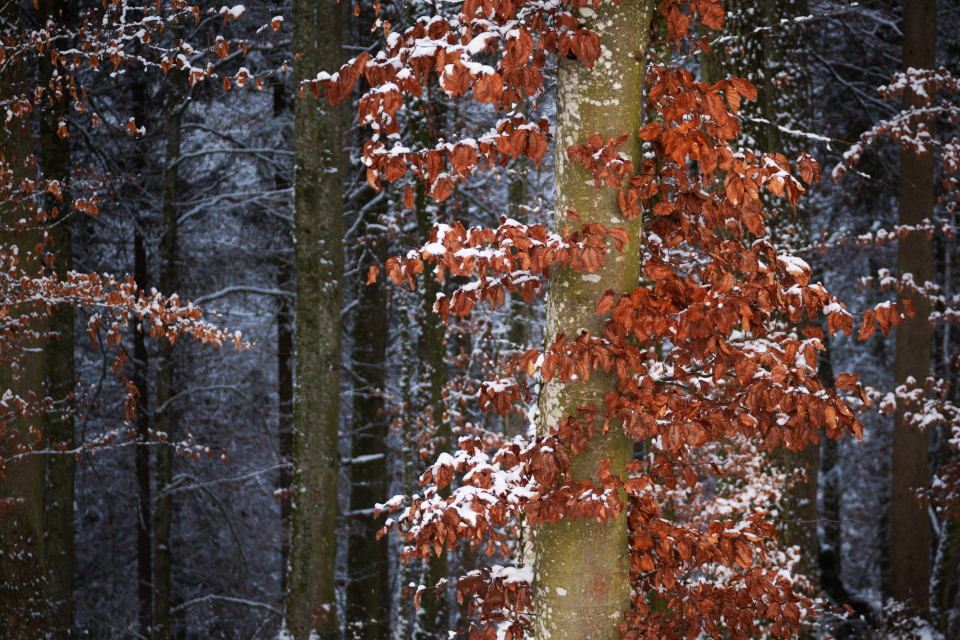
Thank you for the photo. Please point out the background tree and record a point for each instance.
(910, 528)
(311, 602)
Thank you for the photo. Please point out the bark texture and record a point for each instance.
(23, 607)
(318, 27)
(434, 608)
(165, 419)
(285, 325)
(142, 454)
(582, 568)
(59, 423)
(909, 524)
(368, 586)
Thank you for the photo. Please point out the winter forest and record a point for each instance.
(479, 319)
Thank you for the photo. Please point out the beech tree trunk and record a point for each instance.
(434, 608)
(165, 418)
(58, 424)
(22, 573)
(142, 454)
(284, 355)
(368, 586)
(830, 558)
(775, 61)
(909, 524)
(140, 377)
(318, 27)
(582, 568)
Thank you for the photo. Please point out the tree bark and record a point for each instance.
(318, 27)
(909, 524)
(23, 609)
(142, 453)
(284, 357)
(944, 568)
(830, 558)
(143, 420)
(59, 423)
(434, 609)
(582, 568)
(368, 586)
(165, 418)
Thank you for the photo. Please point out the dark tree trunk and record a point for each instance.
(368, 586)
(318, 27)
(284, 356)
(165, 419)
(23, 608)
(909, 524)
(142, 454)
(59, 423)
(434, 608)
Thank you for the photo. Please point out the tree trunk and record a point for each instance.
(142, 453)
(22, 588)
(944, 569)
(318, 27)
(909, 524)
(434, 608)
(165, 419)
(141, 371)
(368, 586)
(58, 424)
(284, 357)
(582, 568)
(830, 559)
(774, 60)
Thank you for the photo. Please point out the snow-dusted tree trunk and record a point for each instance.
(910, 526)
(582, 568)
(318, 27)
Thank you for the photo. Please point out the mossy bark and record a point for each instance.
(582, 568)
(318, 27)
(909, 523)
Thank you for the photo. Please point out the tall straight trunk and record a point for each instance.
(143, 420)
(944, 569)
(947, 557)
(22, 573)
(368, 586)
(165, 418)
(318, 27)
(58, 424)
(434, 608)
(775, 61)
(404, 619)
(582, 568)
(142, 454)
(284, 356)
(521, 313)
(830, 557)
(909, 524)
